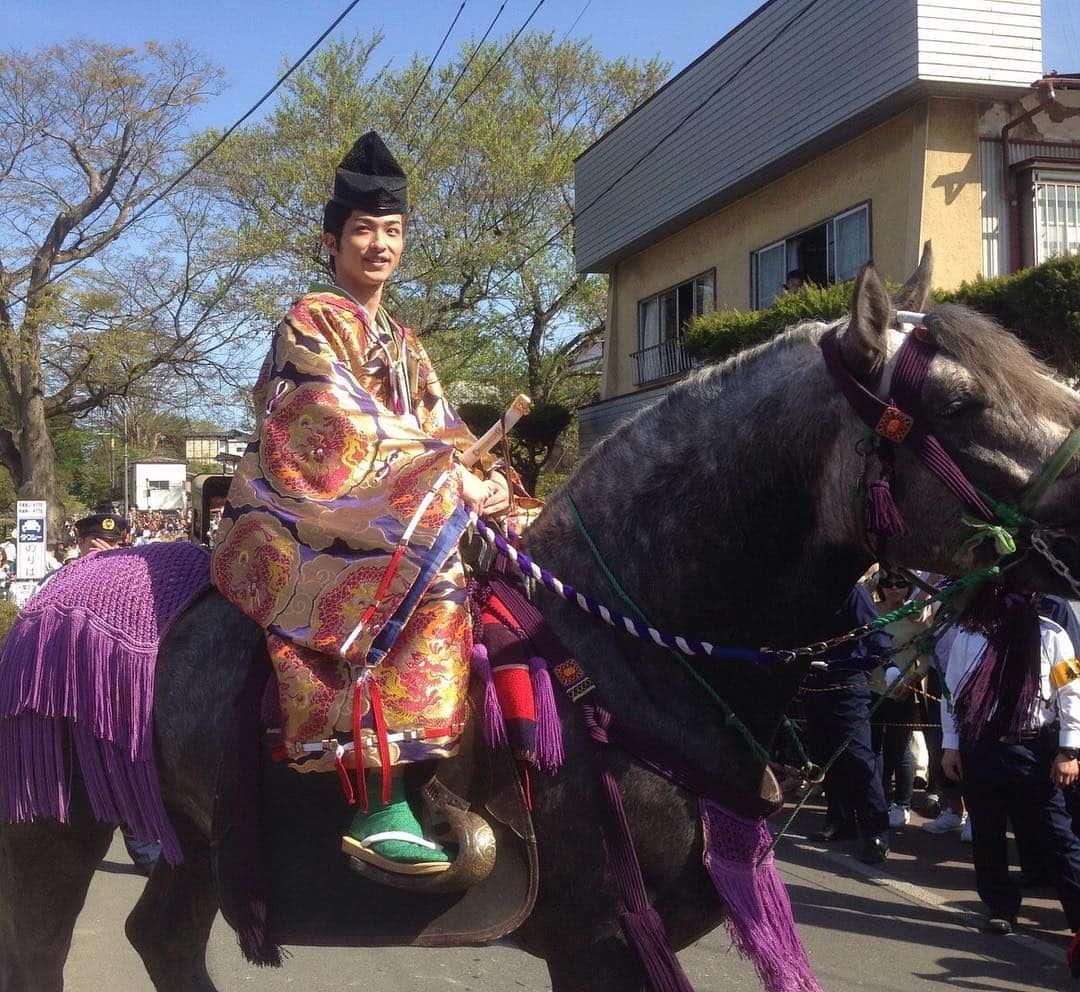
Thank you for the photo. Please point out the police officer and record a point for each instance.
(100, 532)
(838, 707)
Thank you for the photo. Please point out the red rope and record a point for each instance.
(358, 747)
(346, 785)
(381, 740)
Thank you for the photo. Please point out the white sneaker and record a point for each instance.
(945, 821)
(965, 830)
(899, 816)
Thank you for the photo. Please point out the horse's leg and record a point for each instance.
(170, 924)
(45, 871)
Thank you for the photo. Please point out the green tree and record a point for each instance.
(90, 136)
(488, 276)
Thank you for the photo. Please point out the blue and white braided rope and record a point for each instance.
(636, 628)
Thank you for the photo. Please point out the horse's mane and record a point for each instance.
(999, 362)
(704, 383)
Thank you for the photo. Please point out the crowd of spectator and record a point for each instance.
(993, 703)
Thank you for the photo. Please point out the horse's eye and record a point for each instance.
(962, 404)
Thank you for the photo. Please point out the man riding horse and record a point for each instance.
(340, 534)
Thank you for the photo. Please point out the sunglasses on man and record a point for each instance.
(894, 584)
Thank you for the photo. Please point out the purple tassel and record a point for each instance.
(494, 721)
(253, 936)
(758, 909)
(549, 742)
(883, 516)
(645, 931)
(997, 696)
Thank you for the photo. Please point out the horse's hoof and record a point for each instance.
(474, 861)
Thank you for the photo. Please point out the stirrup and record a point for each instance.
(448, 818)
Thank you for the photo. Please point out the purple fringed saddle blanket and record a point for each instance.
(79, 662)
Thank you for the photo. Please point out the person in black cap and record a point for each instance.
(100, 532)
(340, 533)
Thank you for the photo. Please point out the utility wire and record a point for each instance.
(141, 212)
(469, 62)
(802, 12)
(431, 64)
(491, 68)
(581, 14)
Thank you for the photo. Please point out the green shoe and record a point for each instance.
(391, 838)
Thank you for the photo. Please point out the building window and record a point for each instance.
(661, 321)
(829, 252)
(158, 484)
(1056, 202)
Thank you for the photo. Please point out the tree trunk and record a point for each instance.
(39, 461)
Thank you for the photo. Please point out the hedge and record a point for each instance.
(1041, 304)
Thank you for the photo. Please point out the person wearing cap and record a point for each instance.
(100, 532)
(340, 532)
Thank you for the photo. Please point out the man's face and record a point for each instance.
(369, 249)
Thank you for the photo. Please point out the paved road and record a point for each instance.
(864, 929)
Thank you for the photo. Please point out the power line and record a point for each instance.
(803, 11)
(581, 14)
(141, 212)
(491, 68)
(469, 62)
(427, 71)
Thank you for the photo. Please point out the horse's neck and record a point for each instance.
(721, 514)
(725, 511)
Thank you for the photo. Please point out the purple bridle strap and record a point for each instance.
(912, 362)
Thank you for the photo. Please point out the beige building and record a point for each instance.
(817, 157)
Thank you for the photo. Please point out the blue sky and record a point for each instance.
(250, 39)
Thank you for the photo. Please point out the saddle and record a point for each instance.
(308, 895)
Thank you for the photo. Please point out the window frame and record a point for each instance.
(830, 236)
(1057, 175)
(676, 339)
(673, 288)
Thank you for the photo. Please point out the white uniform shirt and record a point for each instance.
(1062, 706)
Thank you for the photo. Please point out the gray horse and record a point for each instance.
(727, 511)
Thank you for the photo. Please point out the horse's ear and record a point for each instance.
(863, 343)
(915, 293)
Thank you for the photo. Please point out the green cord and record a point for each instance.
(828, 765)
(730, 719)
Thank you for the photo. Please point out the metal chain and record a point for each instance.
(1056, 563)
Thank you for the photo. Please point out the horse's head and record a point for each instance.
(995, 410)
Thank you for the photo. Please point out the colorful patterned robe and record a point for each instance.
(330, 480)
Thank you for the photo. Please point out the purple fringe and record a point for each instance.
(883, 516)
(645, 931)
(77, 677)
(993, 691)
(759, 911)
(549, 742)
(494, 721)
(64, 672)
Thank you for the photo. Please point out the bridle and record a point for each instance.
(898, 419)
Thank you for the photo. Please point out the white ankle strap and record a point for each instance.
(399, 835)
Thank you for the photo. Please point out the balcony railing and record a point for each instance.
(660, 361)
